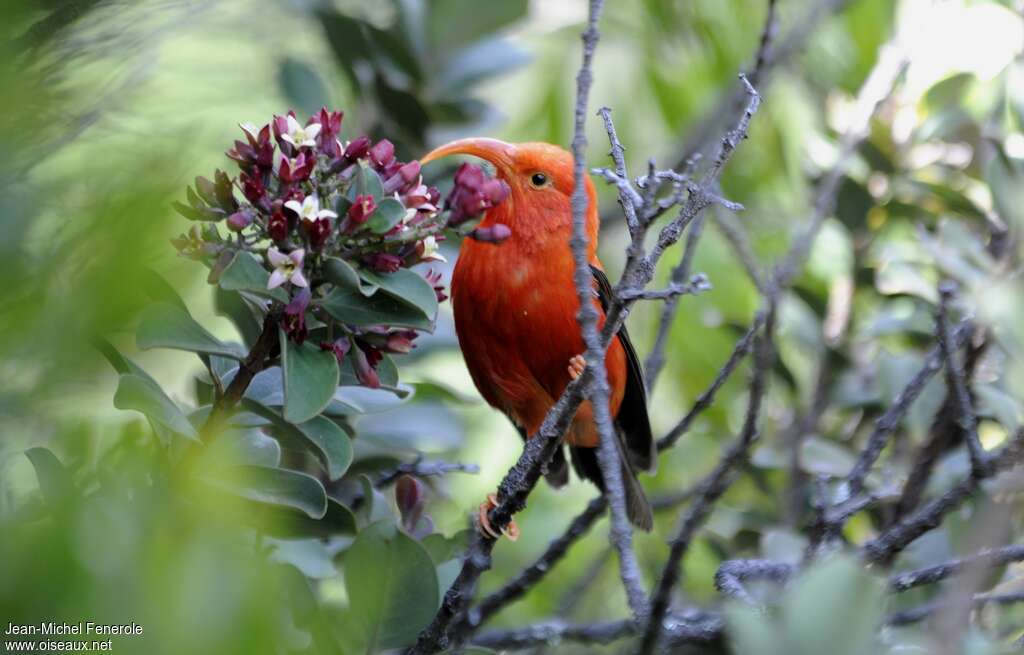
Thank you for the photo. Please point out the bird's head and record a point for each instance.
(540, 179)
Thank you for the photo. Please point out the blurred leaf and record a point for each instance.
(484, 60)
(327, 441)
(168, 326)
(407, 286)
(392, 587)
(309, 376)
(310, 556)
(753, 632)
(145, 396)
(274, 486)
(442, 549)
(243, 446)
(834, 607)
(376, 509)
(302, 86)
(246, 273)
(821, 457)
(1004, 408)
(455, 23)
(853, 203)
(54, 479)
(337, 521)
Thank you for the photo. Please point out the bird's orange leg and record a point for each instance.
(511, 530)
(576, 366)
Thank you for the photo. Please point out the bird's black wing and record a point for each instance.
(632, 419)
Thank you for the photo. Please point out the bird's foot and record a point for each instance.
(576, 366)
(511, 530)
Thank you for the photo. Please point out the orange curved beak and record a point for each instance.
(498, 153)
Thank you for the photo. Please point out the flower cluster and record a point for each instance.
(472, 194)
(324, 216)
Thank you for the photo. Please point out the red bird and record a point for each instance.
(515, 306)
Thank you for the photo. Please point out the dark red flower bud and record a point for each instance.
(384, 262)
(239, 220)
(472, 194)
(358, 149)
(277, 226)
(364, 363)
(280, 125)
(494, 234)
(339, 348)
(406, 175)
(361, 210)
(410, 496)
(382, 153)
(400, 342)
(252, 187)
(317, 232)
(295, 315)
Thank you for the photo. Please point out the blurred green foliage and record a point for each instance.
(111, 108)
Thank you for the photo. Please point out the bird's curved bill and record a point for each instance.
(498, 153)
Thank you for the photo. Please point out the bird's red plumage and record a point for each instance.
(515, 303)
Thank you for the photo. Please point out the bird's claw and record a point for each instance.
(576, 366)
(511, 530)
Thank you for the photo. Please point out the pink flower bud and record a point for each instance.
(239, 221)
(364, 363)
(339, 348)
(382, 153)
(400, 342)
(494, 234)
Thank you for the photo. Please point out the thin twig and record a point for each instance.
(703, 630)
(422, 468)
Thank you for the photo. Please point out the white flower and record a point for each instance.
(430, 252)
(309, 209)
(287, 268)
(300, 136)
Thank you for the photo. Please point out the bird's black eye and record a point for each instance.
(538, 179)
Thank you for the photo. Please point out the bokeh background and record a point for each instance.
(111, 108)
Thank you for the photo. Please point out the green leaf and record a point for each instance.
(243, 446)
(168, 326)
(341, 274)
(835, 607)
(124, 365)
(484, 60)
(338, 520)
(144, 395)
(274, 486)
(407, 286)
(54, 479)
(388, 214)
(246, 273)
(365, 182)
(332, 441)
(310, 376)
(301, 85)
(455, 23)
(328, 442)
(392, 587)
(354, 308)
(442, 549)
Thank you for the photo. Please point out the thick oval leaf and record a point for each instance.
(354, 308)
(407, 286)
(302, 85)
(274, 486)
(246, 273)
(310, 376)
(332, 441)
(341, 274)
(144, 395)
(164, 325)
(365, 182)
(238, 445)
(388, 214)
(392, 587)
(327, 441)
(54, 480)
